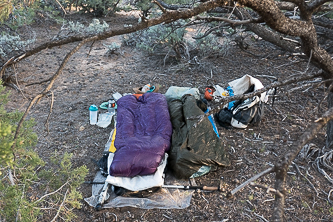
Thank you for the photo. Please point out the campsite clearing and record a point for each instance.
(90, 78)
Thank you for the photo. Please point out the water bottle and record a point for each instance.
(93, 111)
(112, 106)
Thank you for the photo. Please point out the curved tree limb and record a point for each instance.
(258, 29)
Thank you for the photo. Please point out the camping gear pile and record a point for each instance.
(154, 132)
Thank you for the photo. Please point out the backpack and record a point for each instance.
(243, 112)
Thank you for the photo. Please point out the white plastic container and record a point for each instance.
(93, 111)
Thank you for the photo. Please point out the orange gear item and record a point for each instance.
(208, 93)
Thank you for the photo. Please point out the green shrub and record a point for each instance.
(157, 38)
(29, 186)
(97, 7)
(74, 28)
(113, 48)
(210, 45)
(164, 39)
(10, 44)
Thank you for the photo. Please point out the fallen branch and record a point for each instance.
(267, 171)
(37, 83)
(267, 188)
(261, 217)
(311, 184)
(48, 117)
(37, 98)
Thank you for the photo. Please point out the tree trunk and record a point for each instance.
(329, 131)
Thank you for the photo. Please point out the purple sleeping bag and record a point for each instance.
(143, 134)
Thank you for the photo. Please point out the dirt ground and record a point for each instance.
(91, 78)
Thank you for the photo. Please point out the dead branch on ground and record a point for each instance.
(38, 97)
(255, 177)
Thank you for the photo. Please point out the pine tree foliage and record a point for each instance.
(28, 185)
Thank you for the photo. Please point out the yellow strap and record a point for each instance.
(112, 148)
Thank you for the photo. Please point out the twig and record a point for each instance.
(90, 48)
(282, 165)
(115, 216)
(233, 22)
(328, 196)
(52, 192)
(312, 186)
(323, 172)
(172, 7)
(268, 200)
(268, 189)
(204, 198)
(261, 217)
(48, 117)
(326, 94)
(35, 83)
(170, 218)
(62, 203)
(234, 191)
(160, 6)
(308, 64)
(61, 7)
(18, 86)
(232, 11)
